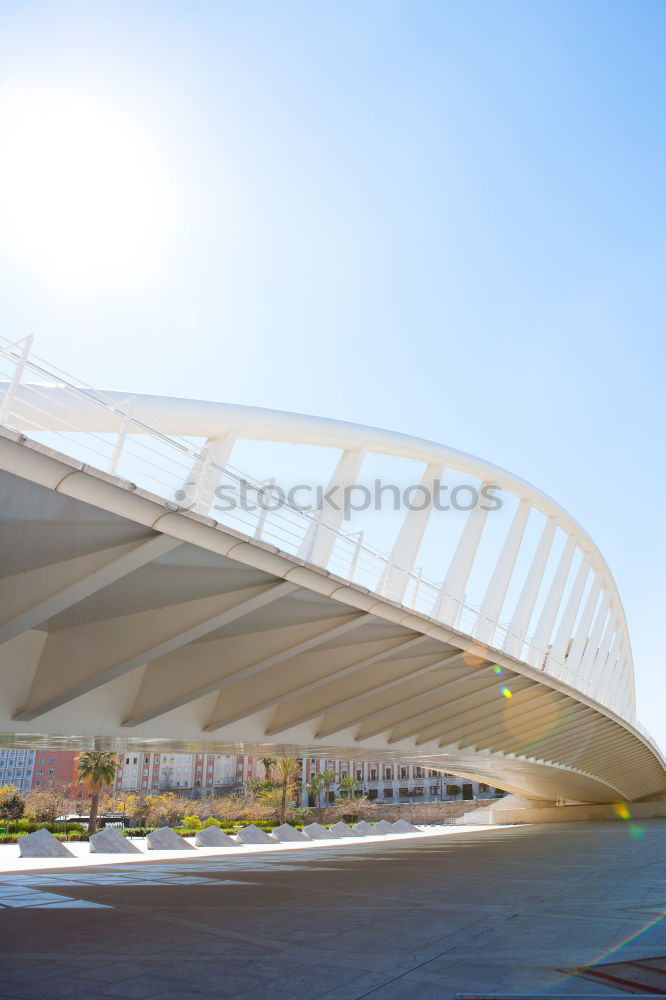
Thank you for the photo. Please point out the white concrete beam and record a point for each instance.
(538, 651)
(395, 577)
(321, 535)
(428, 730)
(222, 715)
(156, 697)
(448, 605)
(560, 645)
(499, 582)
(396, 713)
(78, 660)
(530, 706)
(302, 709)
(30, 598)
(524, 609)
(337, 723)
(592, 645)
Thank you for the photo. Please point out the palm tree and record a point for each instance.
(269, 763)
(314, 787)
(328, 777)
(349, 786)
(287, 770)
(98, 768)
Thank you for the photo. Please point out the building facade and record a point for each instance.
(388, 781)
(207, 774)
(16, 768)
(200, 774)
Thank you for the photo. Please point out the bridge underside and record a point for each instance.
(125, 623)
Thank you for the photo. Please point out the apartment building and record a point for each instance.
(198, 774)
(16, 768)
(59, 767)
(385, 781)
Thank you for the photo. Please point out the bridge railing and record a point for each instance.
(60, 411)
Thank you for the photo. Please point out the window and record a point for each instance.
(41, 760)
(418, 772)
(403, 792)
(38, 782)
(51, 771)
(359, 775)
(51, 760)
(403, 773)
(433, 789)
(40, 771)
(418, 791)
(388, 774)
(373, 774)
(388, 793)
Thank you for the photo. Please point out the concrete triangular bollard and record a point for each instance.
(212, 836)
(365, 829)
(42, 844)
(110, 841)
(166, 839)
(402, 826)
(253, 835)
(287, 834)
(342, 830)
(383, 827)
(315, 831)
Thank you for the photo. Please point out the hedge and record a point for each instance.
(13, 838)
(27, 826)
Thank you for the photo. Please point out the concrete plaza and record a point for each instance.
(502, 910)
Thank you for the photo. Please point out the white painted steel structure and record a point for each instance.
(332, 644)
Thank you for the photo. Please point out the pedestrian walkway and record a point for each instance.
(508, 910)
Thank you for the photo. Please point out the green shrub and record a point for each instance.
(211, 821)
(28, 826)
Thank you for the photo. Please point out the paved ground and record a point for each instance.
(498, 911)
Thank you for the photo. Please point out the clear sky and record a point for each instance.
(442, 218)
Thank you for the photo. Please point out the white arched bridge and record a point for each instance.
(153, 594)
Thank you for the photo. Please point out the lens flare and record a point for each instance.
(507, 693)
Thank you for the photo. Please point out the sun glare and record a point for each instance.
(84, 199)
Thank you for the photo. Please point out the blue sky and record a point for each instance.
(442, 218)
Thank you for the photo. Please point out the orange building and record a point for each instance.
(59, 767)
